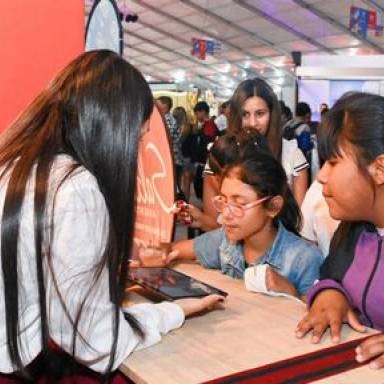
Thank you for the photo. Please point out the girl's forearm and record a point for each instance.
(185, 250)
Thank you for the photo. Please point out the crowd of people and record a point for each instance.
(67, 190)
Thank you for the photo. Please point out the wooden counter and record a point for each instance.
(251, 331)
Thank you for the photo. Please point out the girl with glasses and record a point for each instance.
(258, 240)
(225, 150)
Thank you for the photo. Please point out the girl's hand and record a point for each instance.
(196, 214)
(372, 348)
(193, 306)
(188, 214)
(277, 283)
(330, 309)
(154, 257)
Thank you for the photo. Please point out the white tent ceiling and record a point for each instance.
(257, 38)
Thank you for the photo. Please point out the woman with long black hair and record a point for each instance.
(67, 196)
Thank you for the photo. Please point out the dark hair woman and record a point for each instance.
(67, 190)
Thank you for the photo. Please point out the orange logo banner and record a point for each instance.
(155, 186)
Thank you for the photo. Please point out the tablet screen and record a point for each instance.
(171, 284)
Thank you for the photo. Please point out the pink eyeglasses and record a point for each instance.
(236, 209)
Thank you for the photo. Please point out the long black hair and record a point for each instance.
(261, 171)
(260, 88)
(93, 112)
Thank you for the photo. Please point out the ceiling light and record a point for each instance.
(179, 75)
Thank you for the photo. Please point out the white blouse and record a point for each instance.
(318, 225)
(80, 220)
(292, 159)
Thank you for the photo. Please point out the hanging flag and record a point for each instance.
(372, 20)
(201, 48)
(358, 21)
(213, 47)
(379, 25)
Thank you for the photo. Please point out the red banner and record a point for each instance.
(155, 186)
(38, 38)
(372, 20)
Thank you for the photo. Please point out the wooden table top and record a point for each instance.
(251, 331)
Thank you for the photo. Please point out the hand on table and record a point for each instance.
(277, 283)
(372, 348)
(193, 306)
(329, 309)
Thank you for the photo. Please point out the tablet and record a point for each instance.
(171, 284)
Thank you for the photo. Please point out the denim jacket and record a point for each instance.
(290, 255)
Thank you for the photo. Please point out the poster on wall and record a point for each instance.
(104, 29)
(155, 186)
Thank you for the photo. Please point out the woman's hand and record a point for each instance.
(329, 309)
(154, 256)
(372, 348)
(193, 306)
(277, 283)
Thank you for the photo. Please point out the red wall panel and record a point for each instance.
(37, 39)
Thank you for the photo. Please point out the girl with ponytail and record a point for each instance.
(259, 238)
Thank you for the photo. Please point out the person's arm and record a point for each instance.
(75, 289)
(184, 250)
(300, 185)
(264, 279)
(299, 166)
(211, 188)
(308, 213)
(305, 268)
(277, 283)
(203, 248)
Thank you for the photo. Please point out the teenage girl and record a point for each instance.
(260, 224)
(352, 278)
(67, 196)
(224, 151)
(254, 106)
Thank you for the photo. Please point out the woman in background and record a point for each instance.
(254, 106)
(185, 128)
